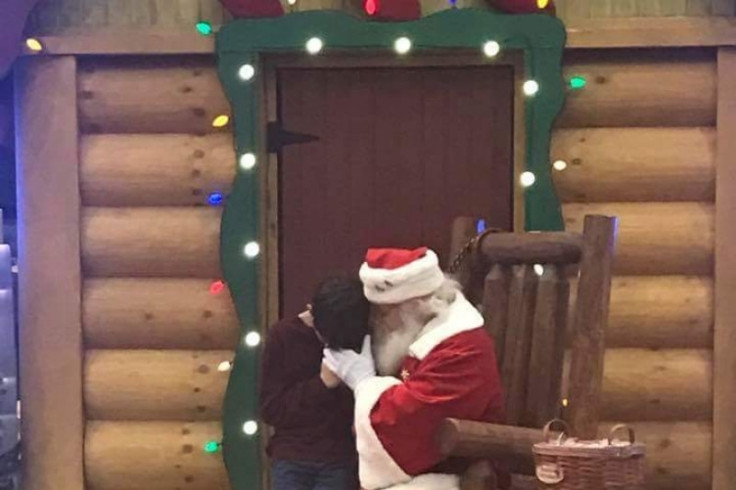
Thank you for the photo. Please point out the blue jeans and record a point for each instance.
(305, 475)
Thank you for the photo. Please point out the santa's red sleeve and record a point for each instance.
(396, 422)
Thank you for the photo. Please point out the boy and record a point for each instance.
(313, 447)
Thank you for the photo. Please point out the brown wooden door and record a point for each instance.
(402, 152)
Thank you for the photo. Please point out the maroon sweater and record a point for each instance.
(311, 421)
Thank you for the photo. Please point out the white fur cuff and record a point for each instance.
(430, 482)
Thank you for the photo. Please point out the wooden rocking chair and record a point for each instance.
(521, 283)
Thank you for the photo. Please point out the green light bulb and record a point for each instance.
(212, 447)
(204, 28)
(577, 82)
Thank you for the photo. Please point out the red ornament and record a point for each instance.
(217, 287)
(524, 6)
(371, 7)
(393, 10)
(253, 8)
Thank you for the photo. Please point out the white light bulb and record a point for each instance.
(291, 2)
(246, 72)
(224, 366)
(560, 165)
(491, 49)
(251, 250)
(250, 427)
(252, 339)
(531, 87)
(527, 179)
(314, 45)
(538, 269)
(402, 45)
(247, 161)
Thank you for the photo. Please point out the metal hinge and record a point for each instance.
(277, 137)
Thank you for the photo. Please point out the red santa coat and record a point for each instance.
(450, 371)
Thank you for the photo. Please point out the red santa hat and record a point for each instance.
(393, 275)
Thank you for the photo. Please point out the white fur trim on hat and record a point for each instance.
(390, 286)
(377, 468)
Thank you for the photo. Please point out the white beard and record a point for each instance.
(391, 343)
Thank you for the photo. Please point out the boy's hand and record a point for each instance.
(329, 378)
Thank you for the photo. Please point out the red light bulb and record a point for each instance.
(371, 7)
(217, 287)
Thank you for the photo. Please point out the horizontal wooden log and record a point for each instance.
(639, 384)
(660, 312)
(154, 95)
(524, 248)
(183, 96)
(157, 314)
(657, 385)
(151, 242)
(464, 438)
(635, 164)
(154, 170)
(656, 238)
(153, 456)
(582, 33)
(630, 88)
(678, 454)
(154, 385)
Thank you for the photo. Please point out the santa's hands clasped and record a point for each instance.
(350, 366)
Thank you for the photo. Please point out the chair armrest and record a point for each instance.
(480, 440)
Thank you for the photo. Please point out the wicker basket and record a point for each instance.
(566, 464)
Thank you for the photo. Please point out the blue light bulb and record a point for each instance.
(215, 199)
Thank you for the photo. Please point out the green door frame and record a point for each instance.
(241, 46)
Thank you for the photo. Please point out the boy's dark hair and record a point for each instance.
(340, 311)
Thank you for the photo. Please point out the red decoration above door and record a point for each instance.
(524, 6)
(253, 8)
(392, 10)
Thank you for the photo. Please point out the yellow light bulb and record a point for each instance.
(34, 45)
(220, 121)
(542, 3)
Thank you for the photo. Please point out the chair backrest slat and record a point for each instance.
(547, 349)
(496, 306)
(515, 367)
(589, 324)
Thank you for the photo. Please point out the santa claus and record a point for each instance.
(433, 360)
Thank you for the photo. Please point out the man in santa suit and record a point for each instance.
(433, 360)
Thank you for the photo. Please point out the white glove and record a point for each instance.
(349, 366)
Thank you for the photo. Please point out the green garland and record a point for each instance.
(244, 42)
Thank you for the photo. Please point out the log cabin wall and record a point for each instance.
(154, 334)
(639, 142)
